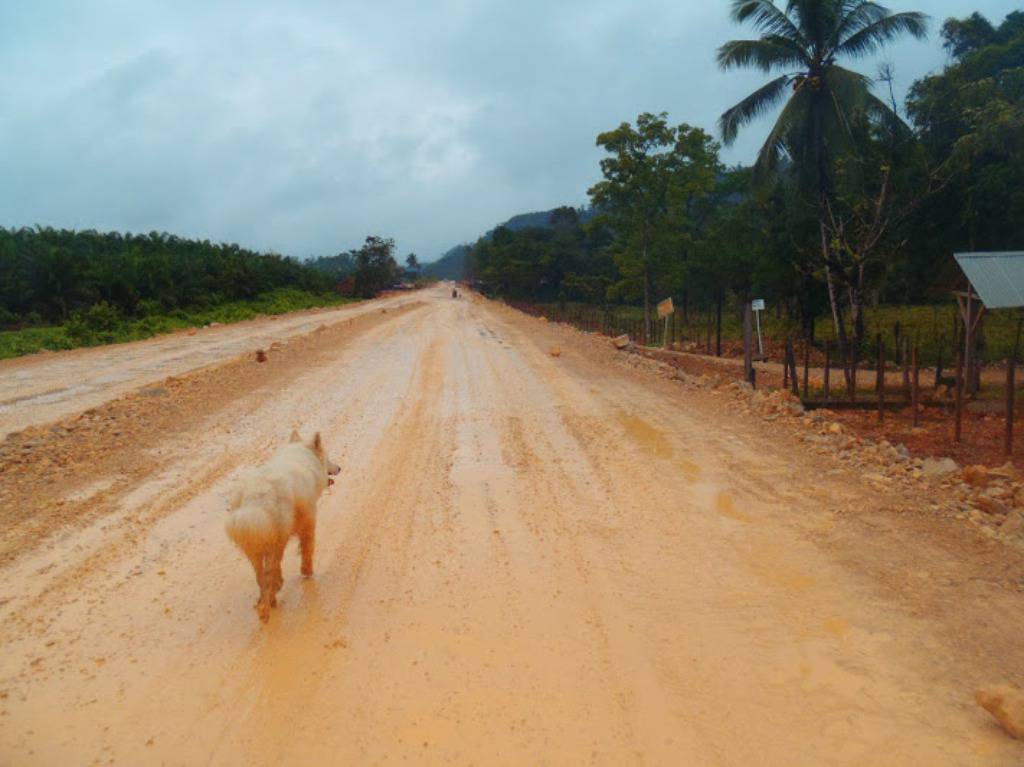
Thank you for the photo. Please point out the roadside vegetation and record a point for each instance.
(102, 323)
(61, 289)
(847, 221)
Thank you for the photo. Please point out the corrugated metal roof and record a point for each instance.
(997, 277)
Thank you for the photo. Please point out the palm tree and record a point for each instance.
(823, 100)
(804, 41)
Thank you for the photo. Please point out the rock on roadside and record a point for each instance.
(938, 467)
(1006, 704)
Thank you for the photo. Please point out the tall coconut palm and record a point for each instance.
(802, 43)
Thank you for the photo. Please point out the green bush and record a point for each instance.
(149, 307)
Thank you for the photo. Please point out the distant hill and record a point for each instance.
(452, 265)
(541, 219)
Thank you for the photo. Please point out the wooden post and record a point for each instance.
(828, 365)
(1011, 383)
(853, 374)
(807, 364)
(791, 361)
(785, 366)
(718, 326)
(881, 379)
(915, 381)
(958, 432)
(748, 363)
(904, 343)
(968, 335)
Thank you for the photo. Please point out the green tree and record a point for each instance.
(973, 113)
(375, 266)
(824, 103)
(652, 179)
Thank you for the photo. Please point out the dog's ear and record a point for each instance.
(318, 445)
(295, 437)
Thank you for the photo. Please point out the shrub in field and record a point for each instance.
(97, 324)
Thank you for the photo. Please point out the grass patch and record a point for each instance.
(102, 324)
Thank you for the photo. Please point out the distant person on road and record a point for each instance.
(455, 293)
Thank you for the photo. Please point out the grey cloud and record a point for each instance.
(302, 127)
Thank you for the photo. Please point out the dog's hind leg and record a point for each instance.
(276, 577)
(257, 566)
(264, 576)
(307, 542)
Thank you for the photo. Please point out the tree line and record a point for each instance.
(48, 275)
(853, 198)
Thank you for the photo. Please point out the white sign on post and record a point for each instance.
(758, 306)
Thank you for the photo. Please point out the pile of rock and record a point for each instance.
(773, 404)
(992, 499)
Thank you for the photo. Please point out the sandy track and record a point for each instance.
(527, 559)
(42, 387)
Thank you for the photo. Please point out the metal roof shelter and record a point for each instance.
(994, 281)
(997, 278)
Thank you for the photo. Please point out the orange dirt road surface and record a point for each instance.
(525, 560)
(42, 387)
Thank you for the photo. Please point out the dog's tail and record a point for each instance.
(249, 528)
(248, 523)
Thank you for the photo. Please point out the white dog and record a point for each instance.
(272, 502)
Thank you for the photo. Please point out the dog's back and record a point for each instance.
(266, 498)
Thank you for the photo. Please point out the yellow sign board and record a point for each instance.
(665, 308)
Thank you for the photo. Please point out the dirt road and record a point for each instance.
(527, 559)
(43, 387)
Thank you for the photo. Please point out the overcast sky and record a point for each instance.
(301, 127)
